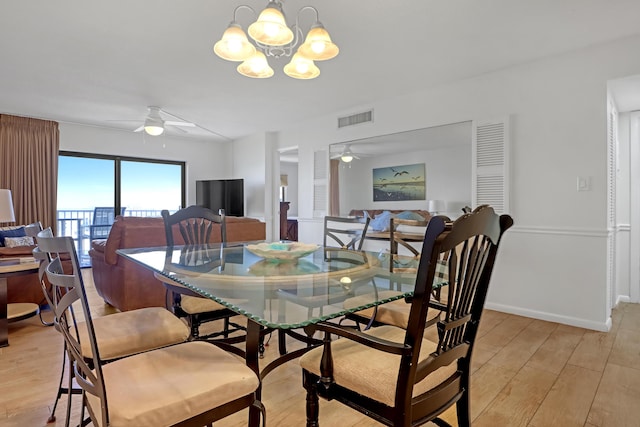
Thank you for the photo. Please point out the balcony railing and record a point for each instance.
(76, 223)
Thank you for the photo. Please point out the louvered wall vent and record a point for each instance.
(355, 119)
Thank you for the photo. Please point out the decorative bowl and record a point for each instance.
(282, 252)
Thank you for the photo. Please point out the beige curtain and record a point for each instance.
(29, 167)
(334, 187)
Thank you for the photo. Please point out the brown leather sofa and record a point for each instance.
(126, 285)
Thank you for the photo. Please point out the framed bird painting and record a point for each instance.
(399, 183)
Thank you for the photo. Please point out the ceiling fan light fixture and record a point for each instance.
(347, 155)
(301, 68)
(318, 45)
(256, 67)
(153, 124)
(234, 45)
(153, 127)
(271, 28)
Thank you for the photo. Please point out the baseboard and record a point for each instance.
(623, 298)
(551, 317)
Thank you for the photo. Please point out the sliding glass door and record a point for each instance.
(147, 188)
(93, 189)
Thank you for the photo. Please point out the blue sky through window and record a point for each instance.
(84, 183)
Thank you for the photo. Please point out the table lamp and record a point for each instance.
(6, 206)
(436, 207)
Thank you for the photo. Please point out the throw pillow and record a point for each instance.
(12, 242)
(16, 232)
(410, 215)
(381, 222)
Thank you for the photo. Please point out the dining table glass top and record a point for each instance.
(327, 283)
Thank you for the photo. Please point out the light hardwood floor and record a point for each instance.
(526, 373)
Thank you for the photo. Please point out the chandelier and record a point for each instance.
(273, 38)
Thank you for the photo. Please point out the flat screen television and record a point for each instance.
(216, 194)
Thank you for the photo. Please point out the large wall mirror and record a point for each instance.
(392, 166)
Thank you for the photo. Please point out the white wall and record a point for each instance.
(205, 159)
(448, 174)
(553, 262)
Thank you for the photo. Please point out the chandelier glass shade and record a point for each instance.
(256, 66)
(272, 37)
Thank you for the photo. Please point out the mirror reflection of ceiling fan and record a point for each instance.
(346, 155)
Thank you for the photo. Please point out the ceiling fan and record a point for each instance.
(346, 155)
(154, 123)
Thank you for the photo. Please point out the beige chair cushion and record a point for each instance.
(371, 372)
(394, 313)
(168, 385)
(194, 305)
(131, 332)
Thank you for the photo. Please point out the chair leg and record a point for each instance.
(226, 327)
(463, 410)
(69, 393)
(313, 406)
(194, 325)
(52, 417)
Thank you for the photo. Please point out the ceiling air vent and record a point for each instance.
(355, 119)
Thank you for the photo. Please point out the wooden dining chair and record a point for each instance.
(118, 335)
(395, 375)
(187, 384)
(197, 225)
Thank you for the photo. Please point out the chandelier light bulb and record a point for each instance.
(318, 47)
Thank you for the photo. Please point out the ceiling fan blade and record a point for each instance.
(179, 129)
(174, 123)
(139, 129)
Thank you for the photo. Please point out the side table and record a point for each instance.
(14, 312)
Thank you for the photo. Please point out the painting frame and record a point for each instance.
(400, 183)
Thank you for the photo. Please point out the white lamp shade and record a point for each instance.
(301, 68)
(256, 67)
(234, 45)
(318, 45)
(6, 206)
(271, 28)
(436, 206)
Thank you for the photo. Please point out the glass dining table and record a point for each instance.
(282, 295)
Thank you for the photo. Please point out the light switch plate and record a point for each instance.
(584, 183)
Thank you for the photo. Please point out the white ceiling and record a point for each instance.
(96, 62)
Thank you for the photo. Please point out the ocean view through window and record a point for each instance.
(93, 189)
